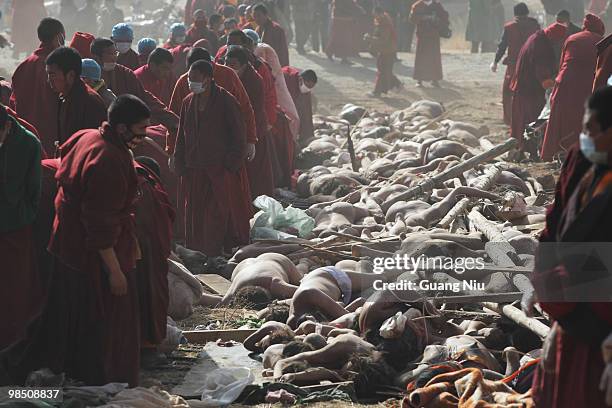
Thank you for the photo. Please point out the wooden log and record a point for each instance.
(491, 297)
(205, 336)
(450, 173)
(485, 183)
(517, 316)
(215, 283)
(464, 315)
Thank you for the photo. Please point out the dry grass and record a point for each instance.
(228, 318)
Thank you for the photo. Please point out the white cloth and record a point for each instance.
(284, 99)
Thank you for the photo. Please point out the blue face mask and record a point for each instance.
(587, 147)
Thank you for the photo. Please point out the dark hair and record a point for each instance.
(276, 313)
(160, 55)
(48, 28)
(4, 116)
(244, 39)
(296, 367)
(67, 59)
(197, 54)
(215, 18)
(563, 14)
(99, 45)
(310, 75)
(600, 103)
(150, 164)
(239, 53)
(281, 335)
(296, 347)
(261, 8)
(371, 373)
(400, 351)
(521, 9)
(229, 11)
(128, 110)
(205, 67)
(230, 21)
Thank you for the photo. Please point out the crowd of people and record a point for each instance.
(108, 154)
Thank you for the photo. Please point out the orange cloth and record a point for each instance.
(227, 79)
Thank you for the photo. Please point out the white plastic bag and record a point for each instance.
(274, 216)
(223, 385)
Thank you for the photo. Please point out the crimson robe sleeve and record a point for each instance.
(179, 149)
(159, 112)
(103, 201)
(237, 137)
(270, 94)
(246, 108)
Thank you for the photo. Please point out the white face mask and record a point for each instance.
(123, 47)
(197, 87)
(427, 2)
(587, 147)
(179, 40)
(109, 66)
(304, 89)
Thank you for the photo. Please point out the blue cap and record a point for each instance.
(178, 30)
(252, 34)
(90, 69)
(146, 45)
(122, 32)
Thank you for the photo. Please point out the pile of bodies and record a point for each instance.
(423, 238)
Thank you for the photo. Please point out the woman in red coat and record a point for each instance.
(573, 86)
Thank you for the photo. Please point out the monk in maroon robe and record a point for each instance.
(121, 81)
(20, 172)
(90, 328)
(430, 18)
(32, 98)
(383, 43)
(342, 44)
(26, 15)
(209, 7)
(572, 85)
(516, 33)
(535, 68)
(157, 76)
(80, 107)
(604, 63)
(259, 167)
(154, 218)
(300, 85)
(209, 157)
(199, 31)
(569, 374)
(271, 33)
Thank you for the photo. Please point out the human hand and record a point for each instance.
(118, 283)
(605, 384)
(493, 67)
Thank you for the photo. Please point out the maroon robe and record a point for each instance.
(161, 88)
(82, 108)
(535, 64)
(209, 157)
(516, 34)
(34, 100)
(26, 16)
(282, 151)
(343, 29)
(260, 169)
(428, 58)
(129, 60)
(194, 34)
(572, 88)
(604, 63)
(578, 362)
(302, 101)
(123, 81)
(273, 34)
(154, 218)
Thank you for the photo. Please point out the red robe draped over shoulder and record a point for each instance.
(129, 59)
(154, 218)
(572, 88)
(123, 81)
(428, 58)
(516, 33)
(260, 169)
(535, 64)
(227, 79)
(161, 88)
(302, 101)
(209, 157)
(273, 34)
(34, 100)
(26, 16)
